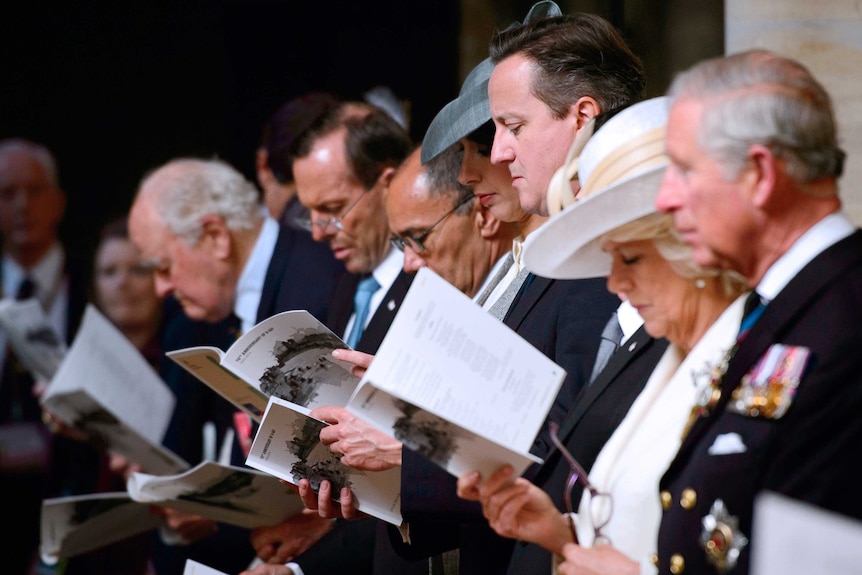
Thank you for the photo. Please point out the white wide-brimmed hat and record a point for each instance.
(620, 170)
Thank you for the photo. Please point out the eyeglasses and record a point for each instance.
(416, 243)
(324, 225)
(601, 502)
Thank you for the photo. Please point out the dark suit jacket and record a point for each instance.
(302, 274)
(562, 319)
(362, 547)
(812, 452)
(598, 411)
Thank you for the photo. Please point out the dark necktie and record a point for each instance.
(26, 289)
(753, 309)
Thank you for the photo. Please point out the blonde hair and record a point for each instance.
(658, 227)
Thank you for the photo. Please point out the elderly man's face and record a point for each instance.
(31, 205)
(199, 275)
(528, 139)
(343, 213)
(711, 213)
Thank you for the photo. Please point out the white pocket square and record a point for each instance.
(726, 444)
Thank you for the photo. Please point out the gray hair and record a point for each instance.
(443, 172)
(186, 189)
(36, 151)
(758, 97)
(658, 227)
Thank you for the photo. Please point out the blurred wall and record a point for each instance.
(827, 38)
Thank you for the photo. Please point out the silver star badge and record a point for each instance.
(721, 538)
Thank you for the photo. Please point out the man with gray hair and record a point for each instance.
(752, 187)
(200, 226)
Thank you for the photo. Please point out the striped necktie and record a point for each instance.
(753, 309)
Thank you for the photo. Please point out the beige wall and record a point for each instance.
(826, 36)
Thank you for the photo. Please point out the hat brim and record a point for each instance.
(567, 246)
(458, 119)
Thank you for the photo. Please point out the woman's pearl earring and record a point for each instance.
(700, 283)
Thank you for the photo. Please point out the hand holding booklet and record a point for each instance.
(455, 384)
(101, 386)
(288, 355)
(449, 381)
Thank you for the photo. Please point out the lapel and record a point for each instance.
(627, 352)
(531, 292)
(275, 274)
(778, 316)
(379, 324)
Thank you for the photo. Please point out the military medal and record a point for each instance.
(721, 538)
(708, 393)
(769, 388)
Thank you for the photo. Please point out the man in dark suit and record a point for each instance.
(200, 225)
(32, 205)
(563, 319)
(752, 186)
(342, 164)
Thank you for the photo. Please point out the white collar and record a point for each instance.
(249, 287)
(825, 233)
(47, 274)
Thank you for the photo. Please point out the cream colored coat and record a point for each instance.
(635, 457)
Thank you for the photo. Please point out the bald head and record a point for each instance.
(441, 225)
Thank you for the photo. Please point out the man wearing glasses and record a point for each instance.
(342, 166)
(438, 223)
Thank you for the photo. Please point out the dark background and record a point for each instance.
(114, 89)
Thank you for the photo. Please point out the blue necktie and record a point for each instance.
(361, 305)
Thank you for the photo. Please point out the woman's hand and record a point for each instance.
(517, 509)
(599, 560)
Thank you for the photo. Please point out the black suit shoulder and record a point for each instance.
(302, 274)
(808, 451)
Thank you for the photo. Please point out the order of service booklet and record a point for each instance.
(225, 493)
(228, 494)
(287, 445)
(288, 355)
(194, 568)
(80, 523)
(101, 386)
(455, 384)
(39, 347)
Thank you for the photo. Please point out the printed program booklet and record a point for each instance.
(102, 386)
(288, 446)
(455, 384)
(81, 523)
(288, 355)
(225, 493)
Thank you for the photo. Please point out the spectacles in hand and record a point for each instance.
(601, 502)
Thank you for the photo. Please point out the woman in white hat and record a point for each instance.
(613, 229)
